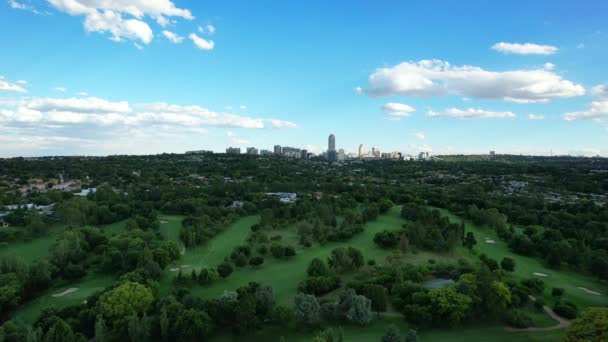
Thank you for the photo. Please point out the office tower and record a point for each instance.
(331, 148)
(303, 154)
(252, 151)
(341, 155)
(277, 150)
(361, 151)
(233, 150)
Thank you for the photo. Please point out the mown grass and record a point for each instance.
(525, 267)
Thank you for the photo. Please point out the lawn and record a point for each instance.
(285, 275)
(170, 226)
(90, 284)
(525, 267)
(34, 249)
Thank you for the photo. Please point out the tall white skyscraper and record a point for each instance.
(361, 151)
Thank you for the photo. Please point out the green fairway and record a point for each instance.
(285, 275)
(525, 267)
(115, 228)
(29, 312)
(34, 249)
(170, 226)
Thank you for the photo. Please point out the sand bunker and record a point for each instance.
(490, 241)
(185, 266)
(183, 251)
(164, 222)
(539, 274)
(589, 291)
(65, 292)
(175, 269)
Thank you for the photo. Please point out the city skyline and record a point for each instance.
(96, 78)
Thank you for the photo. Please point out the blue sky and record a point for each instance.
(131, 77)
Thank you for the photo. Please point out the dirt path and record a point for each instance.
(563, 323)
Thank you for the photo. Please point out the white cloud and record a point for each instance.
(536, 117)
(210, 29)
(598, 108)
(242, 107)
(11, 87)
(229, 133)
(173, 37)
(22, 82)
(420, 135)
(200, 29)
(82, 93)
(78, 105)
(469, 113)
(525, 49)
(282, 124)
(600, 91)
(22, 6)
(60, 89)
(122, 19)
(428, 78)
(397, 109)
(549, 66)
(201, 43)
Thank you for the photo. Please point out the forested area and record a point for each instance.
(526, 202)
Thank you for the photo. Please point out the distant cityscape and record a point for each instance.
(331, 154)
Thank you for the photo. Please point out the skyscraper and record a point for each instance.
(361, 151)
(278, 150)
(331, 143)
(331, 148)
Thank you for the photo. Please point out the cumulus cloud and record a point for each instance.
(428, 78)
(201, 43)
(173, 37)
(397, 109)
(598, 108)
(11, 87)
(469, 113)
(524, 49)
(210, 29)
(60, 89)
(282, 124)
(122, 19)
(535, 117)
(97, 111)
(549, 66)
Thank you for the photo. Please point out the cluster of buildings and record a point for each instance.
(332, 154)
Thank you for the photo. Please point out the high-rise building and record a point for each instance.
(331, 148)
(361, 151)
(252, 151)
(265, 152)
(303, 154)
(277, 150)
(341, 155)
(233, 150)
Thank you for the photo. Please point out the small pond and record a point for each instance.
(438, 283)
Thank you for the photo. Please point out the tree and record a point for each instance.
(469, 241)
(330, 335)
(411, 336)
(557, 292)
(225, 269)
(392, 334)
(449, 306)
(164, 324)
(124, 301)
(264, 296)
(592, 325)
(317, 268)
(306, 309)
(193, 325)
(100, 329)
(386, 239)
(360, 311)
(507, 264)
(256, 260)
(60, 331)
(377, 294)
(138, 328)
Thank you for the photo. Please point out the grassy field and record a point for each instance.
(285, 275)
(525, 267)
(170, 226)
(87, 286)
(34, 249)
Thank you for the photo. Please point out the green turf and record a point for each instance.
(170, 226)
(29, 312)
(525, 267)
(114, 228)
(34, 249)
(285, 275)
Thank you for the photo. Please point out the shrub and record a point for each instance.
(518, 319)
(566, 309)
